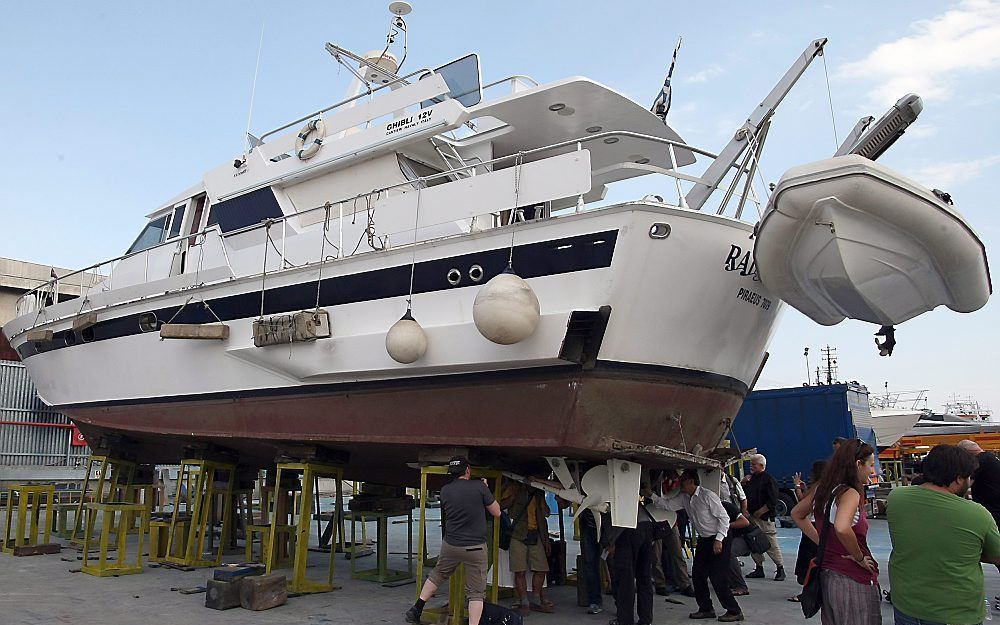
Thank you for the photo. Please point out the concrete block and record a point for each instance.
(233, 573)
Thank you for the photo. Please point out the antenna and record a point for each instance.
(253, 90)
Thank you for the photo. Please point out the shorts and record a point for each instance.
(475, 560)
(527, 557)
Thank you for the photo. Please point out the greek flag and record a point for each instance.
(662, 104)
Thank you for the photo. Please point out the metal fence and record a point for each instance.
(32, 433)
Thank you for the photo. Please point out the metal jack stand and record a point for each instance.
(114, 515)
(112, 474)
(298, 518)
(456, 609)
(31, 502)
(204, 489)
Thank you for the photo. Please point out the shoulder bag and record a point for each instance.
(811, 598)
(507, 526)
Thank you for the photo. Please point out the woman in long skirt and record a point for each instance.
(849, 574)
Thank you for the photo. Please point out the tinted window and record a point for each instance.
(246, 210)
(464, 84)
(175, 225)
(151, 235)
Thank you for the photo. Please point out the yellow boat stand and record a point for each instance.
(111, 474)
(32, 501)
(456, 610)
(299, 518)
(122, 517)
(205, 493)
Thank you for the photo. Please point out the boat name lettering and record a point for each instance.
(754, 298)
(741, 261)
(408, 122)
(240, 172)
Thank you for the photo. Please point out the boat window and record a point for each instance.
(152, 234)
(175, 224)
(463, 80)
(248, 209)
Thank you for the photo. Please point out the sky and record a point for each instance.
(110, 109)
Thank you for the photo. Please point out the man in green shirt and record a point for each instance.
(939, 539)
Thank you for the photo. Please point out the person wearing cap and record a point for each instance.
(464, 504)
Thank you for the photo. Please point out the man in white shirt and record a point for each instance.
(712, 553)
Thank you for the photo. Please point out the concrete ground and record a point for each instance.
(40, 590)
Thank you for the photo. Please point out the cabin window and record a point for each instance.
(152, 234)
(249, 209)
(175, 224)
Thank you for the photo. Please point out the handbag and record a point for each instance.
(661, 529)
(494, 614)
(811, 598)
(756, 540)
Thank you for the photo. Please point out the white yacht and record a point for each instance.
(529, 319)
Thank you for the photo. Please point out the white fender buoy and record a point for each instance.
(406, 341)
(506, 309)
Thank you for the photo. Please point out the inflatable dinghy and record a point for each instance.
(847, 237)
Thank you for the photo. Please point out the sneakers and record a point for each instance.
(731, 617)
(662, 591)
(687, 592)
(595, 608)
(702, 614)
(780, 575)
(757, 573)
(411, 615)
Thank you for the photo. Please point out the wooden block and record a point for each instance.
(39, 336)
(233, 573)
(194, 331)
(263, 592)
(36, 550)
(84, 321)
(223, 595)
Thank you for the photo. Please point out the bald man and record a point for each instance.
(986, 479)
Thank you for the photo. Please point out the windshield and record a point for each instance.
(152, 234)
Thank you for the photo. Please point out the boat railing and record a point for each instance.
(103, 273)
(370, 92)
(47, 294)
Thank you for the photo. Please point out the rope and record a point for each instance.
(829, 94)
(518, 161)
(413, 257)
(322, 253)
(263, 273)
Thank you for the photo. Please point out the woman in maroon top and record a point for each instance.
(850, 574)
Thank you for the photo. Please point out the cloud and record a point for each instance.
(963, 39)
(943, 175)
(705, 75)
(921, 131)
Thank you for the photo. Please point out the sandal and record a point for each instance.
(795, 599)
(739, 592)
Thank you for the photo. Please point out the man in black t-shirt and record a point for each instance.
(464, 503)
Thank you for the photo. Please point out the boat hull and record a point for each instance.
(508, 419)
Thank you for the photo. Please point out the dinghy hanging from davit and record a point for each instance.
(847, 237)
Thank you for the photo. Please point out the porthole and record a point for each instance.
(659, 230)
(69, 338)
(475, 273)
(148, 322)
(87, 335)
(454, 276)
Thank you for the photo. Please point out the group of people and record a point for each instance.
(939, 538)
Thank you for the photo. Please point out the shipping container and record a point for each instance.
(794, 427)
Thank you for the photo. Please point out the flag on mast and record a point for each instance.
(662, 104)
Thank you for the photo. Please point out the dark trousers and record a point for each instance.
(709, 566)
(634, 574)
(736, 574)
(591, 552)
